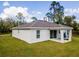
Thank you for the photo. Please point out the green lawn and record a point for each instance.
(10, 46)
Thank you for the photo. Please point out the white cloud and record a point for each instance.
(70, 11)
(77, 20)
(12, 12)
(3, 15)
(5, 4)
(39, 12)
(36, 12)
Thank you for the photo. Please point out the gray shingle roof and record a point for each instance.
(41, 23)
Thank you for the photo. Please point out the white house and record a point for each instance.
(40, 30)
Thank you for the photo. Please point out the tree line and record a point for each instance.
(8, 23)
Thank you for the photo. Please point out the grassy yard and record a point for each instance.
(10, 46)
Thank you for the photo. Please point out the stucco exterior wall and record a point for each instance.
(30, 35)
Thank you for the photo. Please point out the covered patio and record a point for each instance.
(62, 36)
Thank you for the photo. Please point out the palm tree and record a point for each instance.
(20, 18)
(73, 17)
(34, 18)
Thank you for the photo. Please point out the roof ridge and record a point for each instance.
(33, 23)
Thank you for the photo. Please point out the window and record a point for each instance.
(59, 31)
(53, 34)
(68, 33)
(38, 34)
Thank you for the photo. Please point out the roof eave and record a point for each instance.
(30, 28)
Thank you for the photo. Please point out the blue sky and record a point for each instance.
(39, 8)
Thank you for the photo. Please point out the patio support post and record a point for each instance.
(70, 35)
(62, 35)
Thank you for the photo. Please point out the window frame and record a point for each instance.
(37, 34)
